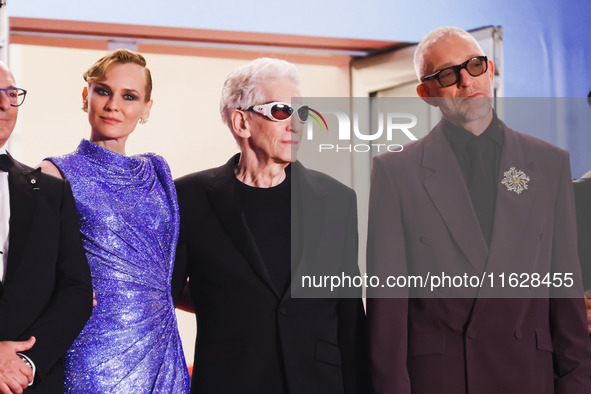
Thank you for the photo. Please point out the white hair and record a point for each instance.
(436, 35)
(242, 88)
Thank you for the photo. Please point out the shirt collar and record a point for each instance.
(459, 137)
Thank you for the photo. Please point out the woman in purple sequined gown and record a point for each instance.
(129, 222)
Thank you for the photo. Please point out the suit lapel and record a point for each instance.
(511, 210)
(23, 185)
(446, 187)
(308, 213)
(511, 215)
(228, 207)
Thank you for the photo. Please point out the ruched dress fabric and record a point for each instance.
(129, 220)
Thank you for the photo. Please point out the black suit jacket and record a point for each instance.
(47, 288)
(583, 202)
(252, 339)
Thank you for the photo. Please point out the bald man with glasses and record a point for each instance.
(45, 285)
(474, 198)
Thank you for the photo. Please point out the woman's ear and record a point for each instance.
(146, 114)
(85, 99)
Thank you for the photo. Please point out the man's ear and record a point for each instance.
(491, 70)
(423, 92)
(240, 123)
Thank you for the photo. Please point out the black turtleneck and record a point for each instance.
(268, 215)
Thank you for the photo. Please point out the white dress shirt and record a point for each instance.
(4, 219)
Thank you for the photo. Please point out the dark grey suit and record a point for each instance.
(583, 202)
(422, 219)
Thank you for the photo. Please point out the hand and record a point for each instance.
(94, 303)
(588, 306)
(15, 375)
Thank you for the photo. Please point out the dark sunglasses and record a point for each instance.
(278, 111)
(451, 75)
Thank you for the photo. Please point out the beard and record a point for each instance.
(464, 110)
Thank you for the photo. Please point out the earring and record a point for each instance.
(84, 107)
(143, 120)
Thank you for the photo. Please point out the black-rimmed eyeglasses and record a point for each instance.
(16, 96)
(451, 75)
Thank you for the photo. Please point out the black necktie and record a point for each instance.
(481, 182)
(5, 163)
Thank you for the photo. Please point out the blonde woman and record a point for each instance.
(128, 216)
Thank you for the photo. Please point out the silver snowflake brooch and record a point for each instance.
(515, 180)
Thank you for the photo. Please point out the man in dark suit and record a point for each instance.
(45, 285)
(583, 202)
(474, 197)
(245, 253)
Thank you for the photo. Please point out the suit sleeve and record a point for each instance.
(570, 340)
(352, 330)
(387, 309)
(180, 294)
(180, 273)
(70, 305)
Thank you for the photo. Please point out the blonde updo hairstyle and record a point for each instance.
(98, 71)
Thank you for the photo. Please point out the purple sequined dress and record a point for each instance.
(129, 220)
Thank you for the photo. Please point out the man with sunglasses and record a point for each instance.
(473, 198)
(45, 285)
(248, 230)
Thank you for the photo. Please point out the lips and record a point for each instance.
(111, 121)
(469, 94)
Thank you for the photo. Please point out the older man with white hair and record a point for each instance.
(245, 250)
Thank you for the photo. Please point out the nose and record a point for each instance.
(295, 126)
(465, 78)
(112, 103)
(4, 101)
